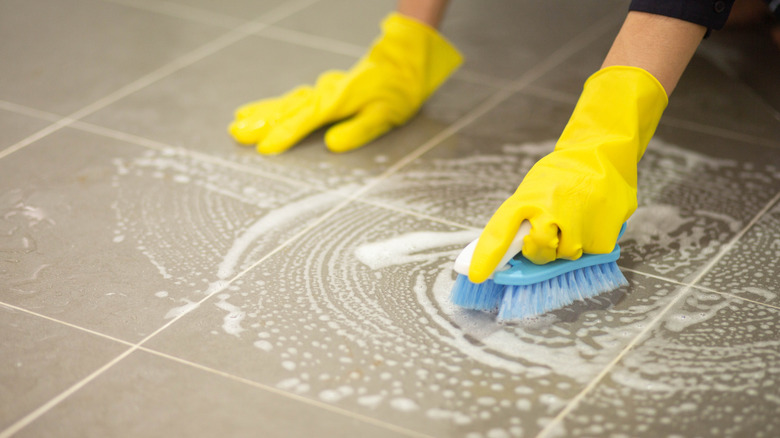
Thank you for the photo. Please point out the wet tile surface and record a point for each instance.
(709, 369)
(750, 269)
(148, 396)
(719, 103)
(259, 300)
(40, 358)
(107, 234)
(748, 55)
(361, 319)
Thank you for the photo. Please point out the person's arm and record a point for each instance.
(429, 12)
(661, 45)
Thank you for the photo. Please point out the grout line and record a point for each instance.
(306, 400)
(219, 286)
(209, 49)
(552, 94)
(134, 347)
(409, 212)
(481, 79)
(30, 112)
(195, 155)
(675, 122)
(738, 297)
(313, 41)
(166, 70)
(35, 137)
(184, 12)
(718, 131)
(702, 288)
(34, 415)
(206, 158)
(186, 60)
(656, 277)
(574, 402)
(291, 36)
(548, 429)
(65, 323)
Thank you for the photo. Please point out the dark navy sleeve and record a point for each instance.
(711, 14)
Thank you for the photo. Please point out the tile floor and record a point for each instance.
(158, 280)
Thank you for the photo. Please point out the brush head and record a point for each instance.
(522, 272)
(525, 289)
(523, 301)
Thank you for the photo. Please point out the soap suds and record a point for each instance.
(362, 317)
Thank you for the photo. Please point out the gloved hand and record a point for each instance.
(577, 197)
(383, 90)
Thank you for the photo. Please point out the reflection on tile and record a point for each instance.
(192, 109)
(750, 268)
(695, 191)
(710, 369)
(15, 127)
(63, 66)
(722, 101)
(750, 56)
(111, 236)
(357, 314)
(39, 359)
(145, 395)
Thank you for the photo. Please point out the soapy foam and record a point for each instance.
(353, 295)
(710, 363)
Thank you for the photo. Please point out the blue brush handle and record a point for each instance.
(524, 272)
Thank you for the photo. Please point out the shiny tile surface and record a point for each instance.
(151, 396)
(708, 369)
(709, 96)
(107, 234)
(156, 279)
(39, 359)
(357, 314)
(748, 270)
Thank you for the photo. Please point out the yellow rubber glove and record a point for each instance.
(383, 90)
(577, 197)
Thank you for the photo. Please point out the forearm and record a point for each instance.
(661, 45)
(429, 12)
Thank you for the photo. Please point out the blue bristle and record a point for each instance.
(483, 296)
(530, 300)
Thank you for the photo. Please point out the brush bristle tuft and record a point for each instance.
(483, 296)
(525, 301)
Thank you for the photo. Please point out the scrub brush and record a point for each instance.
(520, 289)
